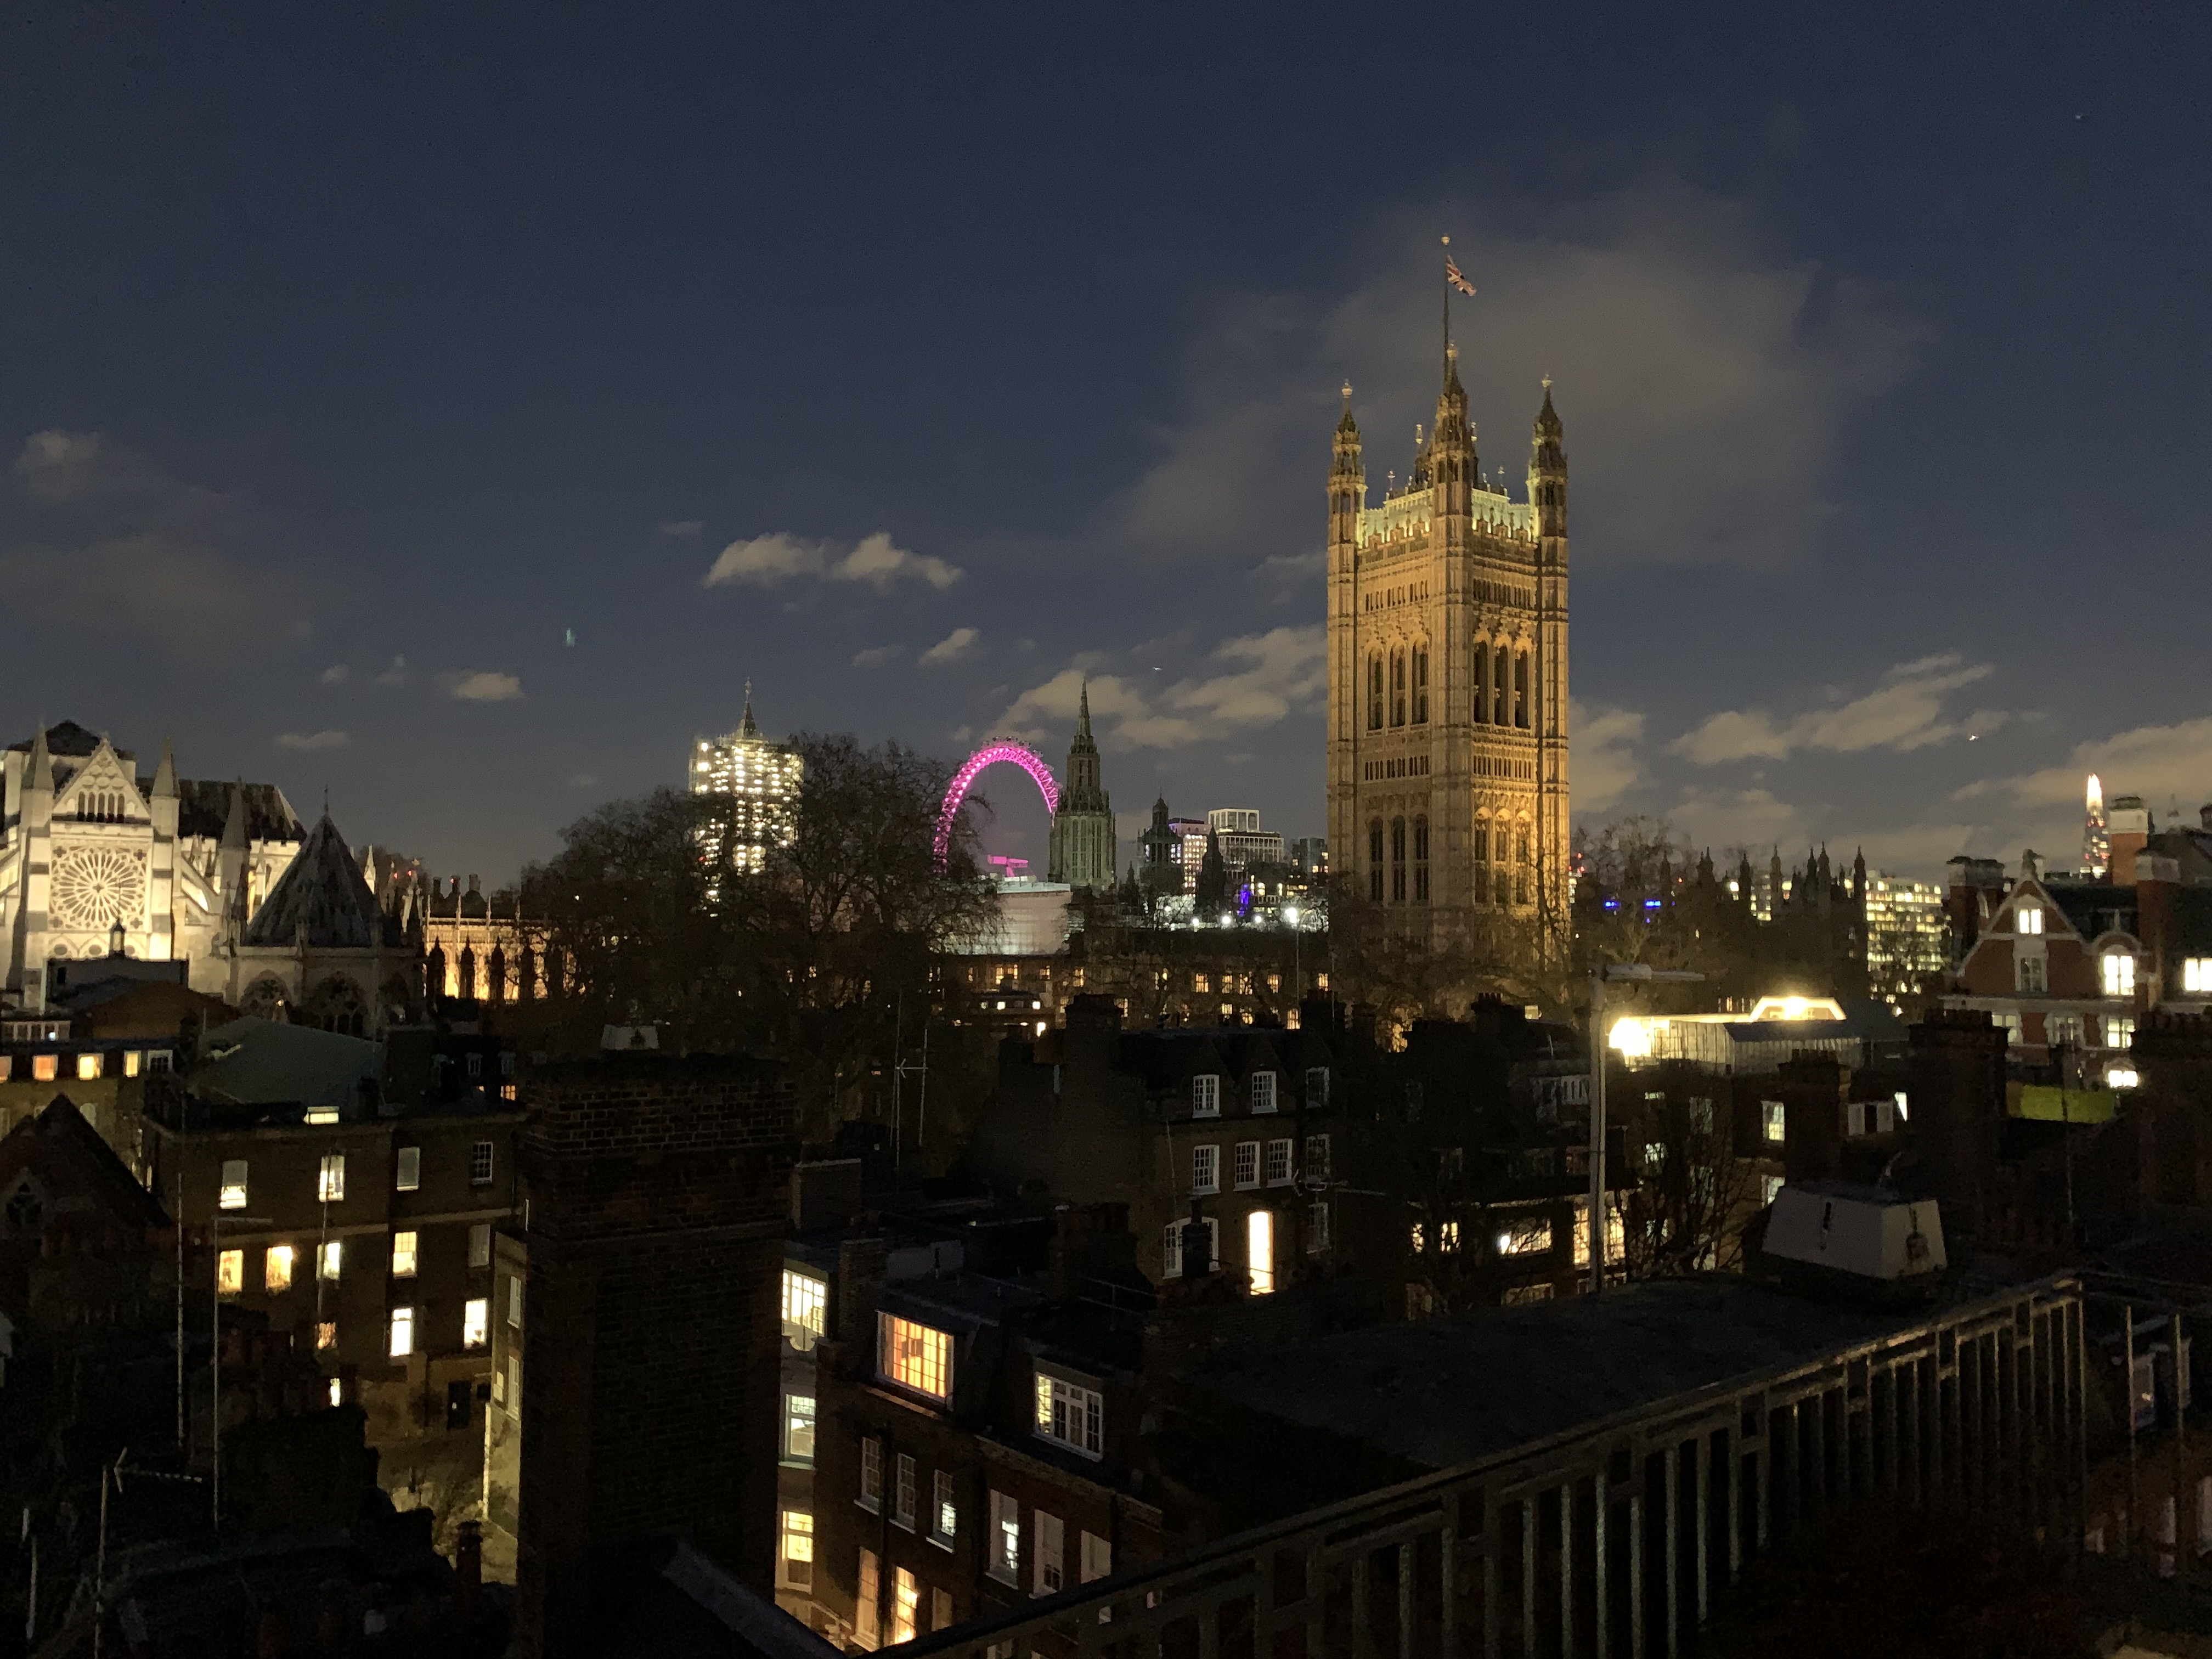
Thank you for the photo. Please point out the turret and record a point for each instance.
(1547, 470)
(38, 790)
(163, 801)
(1452, 463)
(1347, 483)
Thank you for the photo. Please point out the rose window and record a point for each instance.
(95, 887)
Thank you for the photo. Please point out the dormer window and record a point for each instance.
(914, 1356)
(1071, 1416)
(2028, 918)
(2118, 974)
(1206, 1095)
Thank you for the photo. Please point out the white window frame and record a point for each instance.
(870, 1497)
(944, 1508)
(332, 1263)
(906, 1491)
(2032, 975)
(1171, 1245)
(1070, 1415)
(407, 1170)
(806, 1308)
(1005, 1540)
(799, 1409)
(1264, 1092)
(2196, 975)
(330, 1178)
(1774, 1122)
(475, 1322)
(1317, 1166)
(889, 1329)
(1098, 1557)
(867, 1605)
(1205, 1095)
(2116, 973)
(1261, 1250)
(1317, 1227)
(406, 1253)
(794, 1571)
(402, 1330)
(1245, 1168)
(1049, 1567)
(1204, 1170)
(482, 1161)
(231, 1195)
(1317, 1084)
(1278, 1167)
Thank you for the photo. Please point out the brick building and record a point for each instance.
(635, 1330)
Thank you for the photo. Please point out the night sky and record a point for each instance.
(913, 362)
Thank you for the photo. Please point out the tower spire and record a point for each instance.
(1083, 710)
(748, 727)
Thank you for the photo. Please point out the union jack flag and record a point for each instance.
(1452, 276)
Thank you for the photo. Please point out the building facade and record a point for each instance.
(1447, 682)
(1907, 937)
(1083, 848)
(754, 784)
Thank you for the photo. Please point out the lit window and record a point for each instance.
(44, 1069)
(1206, 1169)
(337, 1391)
(2027, 917)
(1206, 1097)
(1278, 1162)
(333, 1258)
(329, 1182)
(326, 1335)
(1531, 1238)
(1051, 1543)
(403, 1332)
(1005, 1539)
(2121, 1077)
(480, 1163)
(233, 1196)
(476, 1321)
(1419, 1238)
(409, 1168)
(906, 1603)
(795, 1568)
(799, 1427)
(944, 1511)
(87, 1068)
(1259, 1250)
(402, 1256)
(1248, 1163)
(806, 1306)
(1775, 1119)
(480, 1244)
(2119, 1032)
(2119, 970)
(229, 1273)
(905, 1493)
(1448, 1237)
(276, 1267)
(871, 1496)
(914, 1356)
(1070, 1415)
(132, 1059)
(2196, 975)
(1263, 1091)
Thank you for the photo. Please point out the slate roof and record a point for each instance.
(76, 1166)
(2093, 907)
(323, 889)
(263, 1062)
(68, 740)
(203, 808)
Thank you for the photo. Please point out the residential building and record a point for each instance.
(753, 784)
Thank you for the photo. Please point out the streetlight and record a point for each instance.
(1616, 972)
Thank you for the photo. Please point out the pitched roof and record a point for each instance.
(68, 739)
(203, 808)
(323, 890)
(264, 1062)
(79, 1169)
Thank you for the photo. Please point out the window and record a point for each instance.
(330, 1179)
(1855, 1119)
(867, 1603)
(132, 1059)
(326, 1335)
(2062, 1028)
(1247, 1164)
(2029, 974)
(1005, 1539)
(233, 1196)
(1263, 1090)
(157, 1060)
(1885, 1117)
(87, 1068)
(1701, 1114)
(480, 1165)
(1397, 688)
(1259, 1250)
(2196, 975)
(1171, 1246)
(276, 1268)
(799, 1428)
(1521, 688)
(1318, 1076)
(1776, 1120)
(2028, 917)
(1317, 1160)
(1421, 860)
(944, 1511)
(1278, 1162)
(1070, 1415)
(1448, 1237)
(403, 1255)
(480, 1244)
(905, 1492)
(475, 1322)
(940, 1609)
(1419, 1238)
(407, 1176)
(229, 1273)
(2119, 1032)
(906, 1604)
(1096, 1560)
(1206, 1097)
(333, 1260)
(476, 1064)
(44, 1067)
(914, 1356)
(403, 1332)
(1531, 1237)
(872, 1475)
(2119, 973)
(1481, 681)
(1204, 1170)
(1375, 693)
(1317, 1229)
(806, 1308)
(1397, 860)
(1421, 684)
(1375, 860)
(795, 1558)
(1051, 1541)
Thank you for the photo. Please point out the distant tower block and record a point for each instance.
(2096, 838)
(754, 786)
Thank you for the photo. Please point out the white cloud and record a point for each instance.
(312, 740)
(875, 656)
(1715, 376)
(1604, 763)
(769, 561)
(483, 686)
(1266, 677)
(953, 647)
(336, 674)
(1904, 713)
(681, 528)
(2165, 764)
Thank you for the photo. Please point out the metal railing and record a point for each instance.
(1612, 1540)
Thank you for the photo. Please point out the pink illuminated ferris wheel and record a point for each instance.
(993, 753)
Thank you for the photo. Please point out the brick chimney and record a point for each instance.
(2158, 880)
(1092, 1250)
(2127, 821)
(1957, 1095)
(1813, 1088)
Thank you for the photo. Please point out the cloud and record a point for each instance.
(682, 528)
(1605, 767)
(312, 740)
(336, 674)
(583, 781)
(1714, 375)
(953, 647)
(1267, 676)
(1290, 575)
(395, 675)
(1904, 713)
(769, 561)
(876, 655)
(483, 686)
(2161, 763)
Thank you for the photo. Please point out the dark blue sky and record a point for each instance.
(350, 361)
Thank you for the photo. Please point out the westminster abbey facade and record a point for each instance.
(1448, 685)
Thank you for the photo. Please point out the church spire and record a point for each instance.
(1083, 713)
(42, 762)
(748, 727)
(165, 774)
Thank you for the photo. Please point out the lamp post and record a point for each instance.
(1614, 973)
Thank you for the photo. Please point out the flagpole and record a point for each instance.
(1447, 245)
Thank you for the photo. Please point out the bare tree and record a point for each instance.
(1693, 1190)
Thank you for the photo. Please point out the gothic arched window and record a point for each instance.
(1397, 860)
(1481, 682)
(1421, 683)
(1398, 688)
(498, 985)
(468, 985)
(1421, 860)
(1520, 689)
(1500, 664)
(1375, 860)
(1375, 693)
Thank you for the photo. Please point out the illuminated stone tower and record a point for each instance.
(1082, 852)
(1448, 686)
